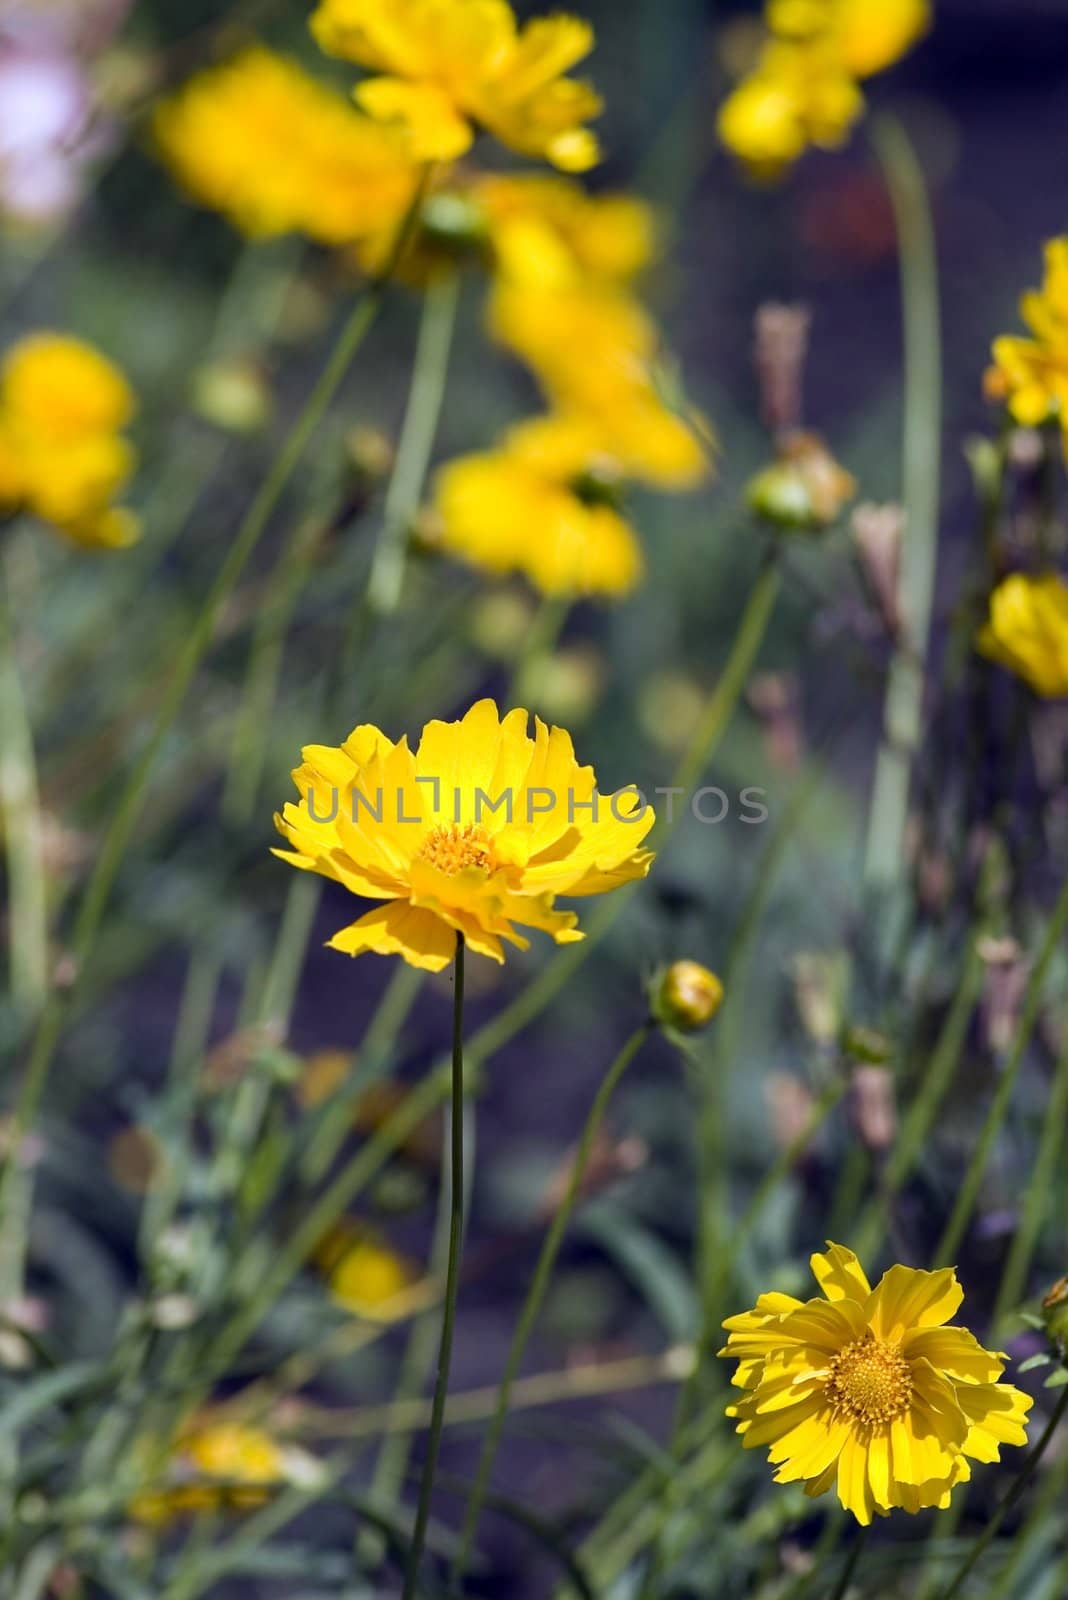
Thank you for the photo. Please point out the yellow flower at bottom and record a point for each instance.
(868, 1391)
(62, 454)
(1027, 631)
(543, 504)
(448, 64)
(477, 830)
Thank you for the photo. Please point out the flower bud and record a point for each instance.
(804, 489)
(233, 394)
(687, 996)
(1055, 1311)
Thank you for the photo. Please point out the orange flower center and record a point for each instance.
(870, 1381)
(453, 847)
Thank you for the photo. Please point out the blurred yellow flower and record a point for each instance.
(276, 151)
(545, 503)
(1032, 374)
(867, 1390)
(549, 230)
(477, 830)
(217, 1465)
(1027, 631)
(450, 65)
(595, 354)
(367, 1277)
(805, 87)
(62, 454)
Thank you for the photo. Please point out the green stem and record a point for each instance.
(248, 536)
(1022, 1479)
(968, 1192)
(922, 448)
(20, 824)
(539, 1285)
(1036, 1201)
(452, 1280)
(842, 1587)
(416, 442)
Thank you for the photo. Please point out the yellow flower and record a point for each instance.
(62, 454)
(867, 1390)
(805, 88)
(218, 1464)
(448, 65)
(368, 1278)
(548, 230)
(478, 829)
(594, 352)
(277, 152)
(1032, 374)
(543, 504)
(1027, 631)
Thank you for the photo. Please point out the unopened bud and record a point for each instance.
(873, 1109)
(866, 1045)
(804, 490)
(233, 394)
(780, 348)
(687, 996)
(1055, 1311)
(877, 535)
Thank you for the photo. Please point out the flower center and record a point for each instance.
(870, 1381)
(452, 847)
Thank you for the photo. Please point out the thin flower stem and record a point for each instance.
(968, 1192)
(248, 536)
(452, 1279)
(20, 825)
(1022, 1479)
(418, 430)
(539, 1285)
(1035, 1206)
(849, 1570)
(922, 450)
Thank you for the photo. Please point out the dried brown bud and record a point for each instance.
(877, 535)
(1055, 1311)
(790, 1106)
(775, 697)
(1003, 990)
(781, 346)
(610, 1159)
(687, 996)
(874, 1113)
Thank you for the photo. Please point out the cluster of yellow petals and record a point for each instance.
(366, 1277)
(276, 151)
(427, 834)
(217, 1465)
(805, 88)
(447, 67)
(868, 1391)
(1027, 631)
(63, 456)
(1032, 373)
(542, 504)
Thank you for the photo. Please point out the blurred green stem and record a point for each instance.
(1022, 1479)
(922, 448)
(539, 1285)
(1035, 1206)
(852, 1563)
(455, 1179)
(544, 630)
(968, 1191)
(416, 443)
(20, 825)
(248, 536)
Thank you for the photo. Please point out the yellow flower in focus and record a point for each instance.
(1032, 374)
(868, 1391)
(448, 65)
(217, 1465)
(1027, 631)
(478, 830)
(594, 352)
(62, 454)
(543, 504)
(275, 151)
(805, 87)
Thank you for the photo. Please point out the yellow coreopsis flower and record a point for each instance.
(367, 1277)
(594, 351)
(475, 832)
(547, 230)
(868, 1391)
(217, 1464)
(275, 151)
(805, 87)
(545, 503)
(449, 66)
(1032, 374)
(62, 453)
(1027, 631)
